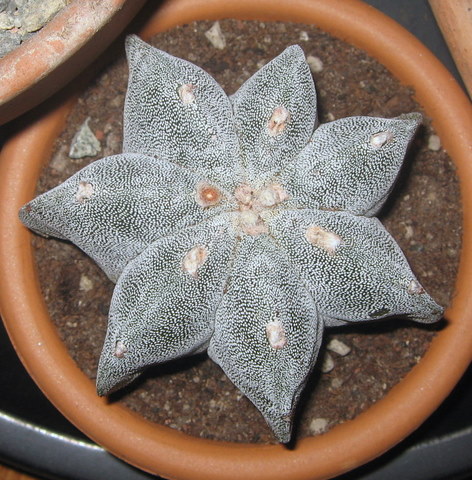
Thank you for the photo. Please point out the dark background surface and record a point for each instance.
(35, 437)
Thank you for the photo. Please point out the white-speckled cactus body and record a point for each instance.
(237, 225)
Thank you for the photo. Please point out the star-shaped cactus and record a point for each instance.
(236, 225)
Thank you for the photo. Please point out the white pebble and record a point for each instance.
(60, 161)
(85, 284)
(216, 37)
(409, 232)
(315, 63)
(434, 143)
(328, 364)
(318, 426)
(338, 347)
(304, 37)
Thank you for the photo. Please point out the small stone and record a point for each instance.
(304, 37)
(434, 143)
(35, 18)
(315, 63)
(328, 364)
(8, 42)
(330, 117)
(451, 252)
(409, 232)
(86, 284)
(60, 160)
(6, 21)
(338, 347)
(112, 143)
(84, 143)
(215, 36)
(318, 426)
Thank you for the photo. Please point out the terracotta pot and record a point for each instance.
(60, 51)
(169, 453)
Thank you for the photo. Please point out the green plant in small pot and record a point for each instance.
(238, 226)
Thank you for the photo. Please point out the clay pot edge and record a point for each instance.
(59, 52)
(255, 460)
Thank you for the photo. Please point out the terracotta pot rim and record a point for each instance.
(25, 69)
(160, 450)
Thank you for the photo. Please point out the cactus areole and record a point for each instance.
(237, 225)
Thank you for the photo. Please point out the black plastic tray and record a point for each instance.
(36, 438)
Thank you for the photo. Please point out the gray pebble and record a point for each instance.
(84, 143)
(7, 21)
(338, 347)
(434, 143)
(215, 36)
(318, 426)
(315, 63)
(8, 42)
(328, 363)
(20, 18)
(35, 18)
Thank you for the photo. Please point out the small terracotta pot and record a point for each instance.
(172, 454)
(60, 51)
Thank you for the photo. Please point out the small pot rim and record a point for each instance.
(172, 454)
(59, 52)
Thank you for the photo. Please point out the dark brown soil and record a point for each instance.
(193, 395)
